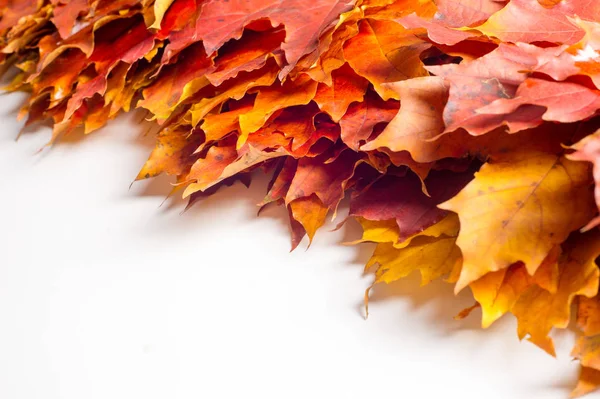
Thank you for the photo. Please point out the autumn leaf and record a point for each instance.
(497, 292)
(160, 9)
(589, 380)
(436, 30)
(418, 122)
(383, 52)
(528, 21)
(361, 118)
(310, 213)
(66, 14)
(220, 21)
(378, 231)
(538, 310)
(326, 180)
(174, 153)
(249, 53)
(235, 89)
(404, 199)
(209, 168)
(516, 209)
(332, 56)
(564, 102)
(434, 256)
(11, 11)
(174, 80)
(459, 13)
(346, 88)
(281, 181)
(268, 101)
(588, 150)
(477, 83)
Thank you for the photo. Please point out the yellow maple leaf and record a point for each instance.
(517, 209)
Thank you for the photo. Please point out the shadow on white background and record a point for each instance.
(106, 294)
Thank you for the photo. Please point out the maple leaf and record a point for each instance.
(538, 310)
(332, 55)
(528, 21)
(498, 75)
(11, 11)
(271, 99)
(402, 198)
(516, 209)
(234, 89)
(174, 80)
(309, 213)
(326, 180)
(564, 102)
(497, 292)
(304, 21)
(459, 13)
(383, 52)
(174, 153)
(433, 252)
(361, 119)
(588, 149)
(160, 9)
(218, 125)
(247, 54)
(280, 184)
(436, 30)
(433, 256)
(586, 347)
(419, 119)
(378, 231)
(589, 381)
(65, 15)
(346, 87)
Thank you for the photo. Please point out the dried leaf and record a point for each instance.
(517, 209)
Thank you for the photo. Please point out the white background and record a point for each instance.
(106, 295)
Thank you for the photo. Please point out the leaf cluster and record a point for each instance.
(464, 132)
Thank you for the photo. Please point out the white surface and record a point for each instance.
(105, 295)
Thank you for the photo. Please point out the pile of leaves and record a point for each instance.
(463, 132)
